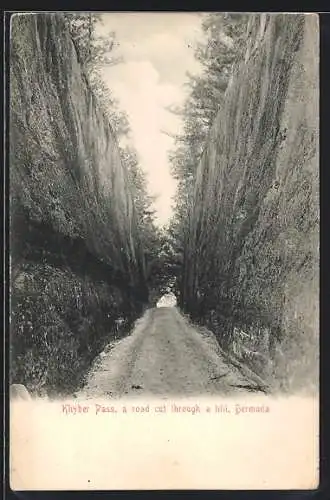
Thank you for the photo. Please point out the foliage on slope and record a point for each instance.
(251, 244)
(74, 228)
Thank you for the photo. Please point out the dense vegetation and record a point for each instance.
(83, 240)
(222, 45)
(241, 251)
(244, 239)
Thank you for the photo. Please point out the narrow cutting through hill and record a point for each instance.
(164, 356)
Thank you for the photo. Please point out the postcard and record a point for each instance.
(164, 251)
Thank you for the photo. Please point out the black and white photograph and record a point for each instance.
(164, 247)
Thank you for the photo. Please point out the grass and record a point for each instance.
(59, 323)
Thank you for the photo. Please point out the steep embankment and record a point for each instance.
(77, 264)
(251, 268)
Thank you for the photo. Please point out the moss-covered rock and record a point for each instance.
(77, 261)
(253, 238)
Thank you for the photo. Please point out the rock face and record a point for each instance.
(252, 255)
(65, 162)
(77, 262)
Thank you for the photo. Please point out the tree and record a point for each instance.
(143, 203)
(94, 53)
(93, 50)
(224, 36)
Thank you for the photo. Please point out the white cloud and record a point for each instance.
(170, 54)
(142, 96)
(151, 78)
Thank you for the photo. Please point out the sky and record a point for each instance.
(157, 49)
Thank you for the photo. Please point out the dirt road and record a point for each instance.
(164, 356)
